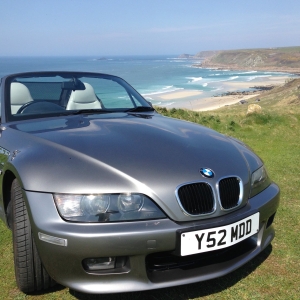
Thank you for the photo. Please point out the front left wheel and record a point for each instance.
(30, 274)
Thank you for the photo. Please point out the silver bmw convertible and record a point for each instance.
(105, 195)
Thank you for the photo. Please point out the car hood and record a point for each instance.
(120, 152)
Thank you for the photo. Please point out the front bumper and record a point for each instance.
(148, 247)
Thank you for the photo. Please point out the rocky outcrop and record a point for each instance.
(254, 109)
(263, 87)
(237, 93)
(254, 61)
(199, 55)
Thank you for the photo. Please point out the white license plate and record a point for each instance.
(199, 241)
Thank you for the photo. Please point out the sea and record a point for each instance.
(151, 76)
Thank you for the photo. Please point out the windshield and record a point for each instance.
(35, 95)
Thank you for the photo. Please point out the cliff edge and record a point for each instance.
(271, 59)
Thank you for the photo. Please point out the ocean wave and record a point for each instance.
(194, 79)
(217, 89)
(258, 76)
(222, 80)
(214, 69)
(177, 61)
(276, 73)
(249, 72)
(242, 73)
(228, 79)
(164, 90)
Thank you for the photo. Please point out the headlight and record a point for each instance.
(130, 202)
(107, 207)
(259, 181)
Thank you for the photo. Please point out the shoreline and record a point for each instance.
(192, 100)
(204, 65)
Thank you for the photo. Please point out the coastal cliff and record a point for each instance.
(271, 59)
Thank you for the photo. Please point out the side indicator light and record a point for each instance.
(53, 240)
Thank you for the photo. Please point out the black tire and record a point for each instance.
(30, 274)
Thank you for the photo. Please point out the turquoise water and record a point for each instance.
(150, 75)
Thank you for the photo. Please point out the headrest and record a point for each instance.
(19, 94)
(84, 96)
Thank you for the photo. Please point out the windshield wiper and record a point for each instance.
(140, 109)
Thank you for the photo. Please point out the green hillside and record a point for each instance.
(272, 59)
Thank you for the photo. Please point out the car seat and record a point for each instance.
(19, 95)
(83, 99)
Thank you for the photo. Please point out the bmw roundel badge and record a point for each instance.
(208, 173)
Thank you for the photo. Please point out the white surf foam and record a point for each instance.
(258, 76)
(194, 79)
(164, 90)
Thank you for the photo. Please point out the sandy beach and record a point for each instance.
(196, 100)
(180, 94)
(211, 103)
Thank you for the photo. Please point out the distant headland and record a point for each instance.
(286, 59)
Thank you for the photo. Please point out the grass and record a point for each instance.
(274, 274)
(284, 58)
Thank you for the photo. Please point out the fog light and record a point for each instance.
(270, 221)
(99, 263)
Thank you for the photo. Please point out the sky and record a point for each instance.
(144, 27)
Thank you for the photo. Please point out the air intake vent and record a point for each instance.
(230, 194)
(196, 198)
